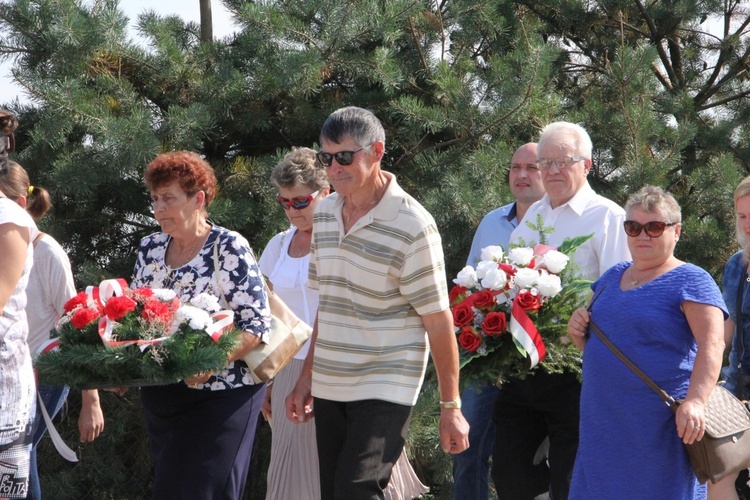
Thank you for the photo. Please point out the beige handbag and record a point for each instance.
(288, 335)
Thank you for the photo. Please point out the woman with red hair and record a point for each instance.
(201, 430)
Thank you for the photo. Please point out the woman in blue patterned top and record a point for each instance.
(667, 317)
(736, 374)
(201, 430)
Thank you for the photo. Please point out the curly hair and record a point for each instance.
(15, 184)
(299, 168)
(192, 172)
(654, 199)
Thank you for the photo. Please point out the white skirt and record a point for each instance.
(293, 471)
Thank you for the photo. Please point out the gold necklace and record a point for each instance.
(192, 251)
(378, 197)
(634, 282)
(295, 248)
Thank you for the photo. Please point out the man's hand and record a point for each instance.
(299, 401)
(197, 380)
(454, 431)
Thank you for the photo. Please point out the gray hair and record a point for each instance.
(742, 190)
(652, 199)
(581, 140)
(358, 124)
(299, 167)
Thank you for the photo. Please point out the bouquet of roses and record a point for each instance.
(510, 313)
(114, 336)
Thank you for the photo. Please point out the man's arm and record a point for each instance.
(298, 402)
(454, 430)
(614, 246)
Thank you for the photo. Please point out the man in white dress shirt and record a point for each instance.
(543, 404)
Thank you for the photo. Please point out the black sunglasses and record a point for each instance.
(654, 229)
(298, 202)
(343, 158)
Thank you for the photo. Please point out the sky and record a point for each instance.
(187, 9)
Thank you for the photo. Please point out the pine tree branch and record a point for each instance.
(656, 39)
(494, 123)
(9, 50)
(724, 101)
(708, 89)
(419, 47)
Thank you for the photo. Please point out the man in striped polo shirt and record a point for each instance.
(376, 258)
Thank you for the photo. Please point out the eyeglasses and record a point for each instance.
(561, 163)
(654, 229)
(298, 202)
(343, 158)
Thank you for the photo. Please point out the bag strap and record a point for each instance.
(668, 400)
(222, 298)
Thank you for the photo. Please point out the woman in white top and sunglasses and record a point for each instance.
(293, 470)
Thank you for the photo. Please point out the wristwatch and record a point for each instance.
(451, 405)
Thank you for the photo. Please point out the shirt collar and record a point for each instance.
(577, 203)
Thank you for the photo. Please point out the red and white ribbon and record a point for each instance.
(107, 289)
(223, 322)
(525, 332)
(62, 448)
(48, 345)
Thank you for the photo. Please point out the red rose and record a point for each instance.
(157, 311)
(79, 300)
(117, 307)
(494, 323)
(463, 314)
(469, 339)
(484, 300)
(456, 294)
(83, 316)
(528, 301)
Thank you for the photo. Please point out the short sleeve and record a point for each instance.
(422, 281)
(700, 287)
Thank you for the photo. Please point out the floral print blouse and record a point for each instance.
(237, 284)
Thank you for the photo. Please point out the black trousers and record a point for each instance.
(358, 444)
(201, 440)
(525, 413)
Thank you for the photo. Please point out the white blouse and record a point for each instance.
(288, 275)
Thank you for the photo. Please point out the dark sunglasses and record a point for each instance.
(299, 202)
(654, 229)
(343, 158)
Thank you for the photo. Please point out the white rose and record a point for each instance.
(466, 277)
(521, 256)
(555, 261)
(549, 285)
(492, 252)
(495, 279)
(525, 277)
(484, 267)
